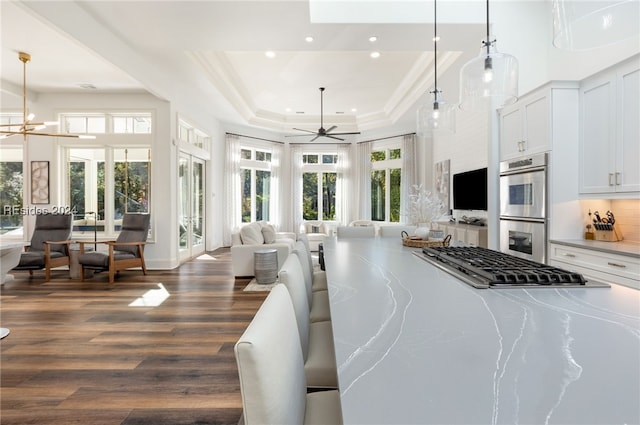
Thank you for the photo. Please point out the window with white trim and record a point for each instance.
(107, 123)
(319, 181)
(255, 183)
(189, 134)
(386, 175)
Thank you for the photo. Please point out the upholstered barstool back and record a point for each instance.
(270, 364)
(356, 232)
(271, 371)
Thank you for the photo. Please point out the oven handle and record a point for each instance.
(522, 219)
(523, 171)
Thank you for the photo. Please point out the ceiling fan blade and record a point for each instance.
(307, 131)
(344, 134)
(333, 137)
(315, 138)
(331, 128)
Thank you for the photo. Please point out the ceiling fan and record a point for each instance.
(322, 132)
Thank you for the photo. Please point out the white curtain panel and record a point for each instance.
(409, 174)
(343, 195)
(363, 181)
(296, 187)
(275, 211)
(231, 187)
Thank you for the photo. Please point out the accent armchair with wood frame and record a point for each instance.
(49, 247)
(126, 252)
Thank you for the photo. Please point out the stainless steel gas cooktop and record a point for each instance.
(486, 268)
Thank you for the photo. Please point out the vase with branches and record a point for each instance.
(424, 207)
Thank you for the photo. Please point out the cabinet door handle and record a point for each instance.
(611, 182)
(566, 254)
(616, 264)
(618, 179)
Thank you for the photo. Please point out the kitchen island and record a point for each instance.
(415, 345)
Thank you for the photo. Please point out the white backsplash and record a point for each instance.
(626, 211)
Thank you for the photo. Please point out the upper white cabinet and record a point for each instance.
(610, 131)
(524, 126)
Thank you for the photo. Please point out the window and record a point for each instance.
(136, 124)
(104, 183)
(11, 189)
(319, 181)
(255, 176)
(105, 123)
(386, 175)
(189, 134)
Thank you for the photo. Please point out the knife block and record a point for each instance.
(612, 235)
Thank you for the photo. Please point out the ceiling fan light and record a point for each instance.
(587, 25)
(489, 79)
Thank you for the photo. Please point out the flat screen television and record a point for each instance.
(470, 190)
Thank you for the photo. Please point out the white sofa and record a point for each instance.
(316, 230)
(256, 236)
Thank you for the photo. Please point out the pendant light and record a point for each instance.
(587, 24)
(28, 127)
(436, 115)
(491, 78)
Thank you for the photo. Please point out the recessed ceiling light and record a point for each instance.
(354, 109)
(375, 55)
(308, 39)
(373, 38)
(287, 109)
(270, 54)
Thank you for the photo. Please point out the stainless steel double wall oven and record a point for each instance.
(523, 207)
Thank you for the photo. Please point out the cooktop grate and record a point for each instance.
(494, 268)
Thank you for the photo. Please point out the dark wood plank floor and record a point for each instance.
(79, 354)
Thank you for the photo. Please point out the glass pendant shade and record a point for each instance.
(436, 115)
(584, 25)
(490, 78)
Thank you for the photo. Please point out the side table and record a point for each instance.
(265, 266)
(75, 270)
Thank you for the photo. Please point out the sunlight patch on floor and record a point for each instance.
(151, 298)
(205, 257)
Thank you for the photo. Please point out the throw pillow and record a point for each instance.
(251, 234)
(315, 229)
(269, 233)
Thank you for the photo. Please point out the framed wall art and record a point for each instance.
(442, 183)
(39, 182)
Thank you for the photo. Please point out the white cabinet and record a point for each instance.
(610, 131)
(597, 265)
(524, 126)
(464, 234)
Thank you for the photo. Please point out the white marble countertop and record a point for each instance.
(414, 345)
(627, 248)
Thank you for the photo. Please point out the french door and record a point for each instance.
(191, 210)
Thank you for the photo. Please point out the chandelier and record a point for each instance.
(29, 127)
